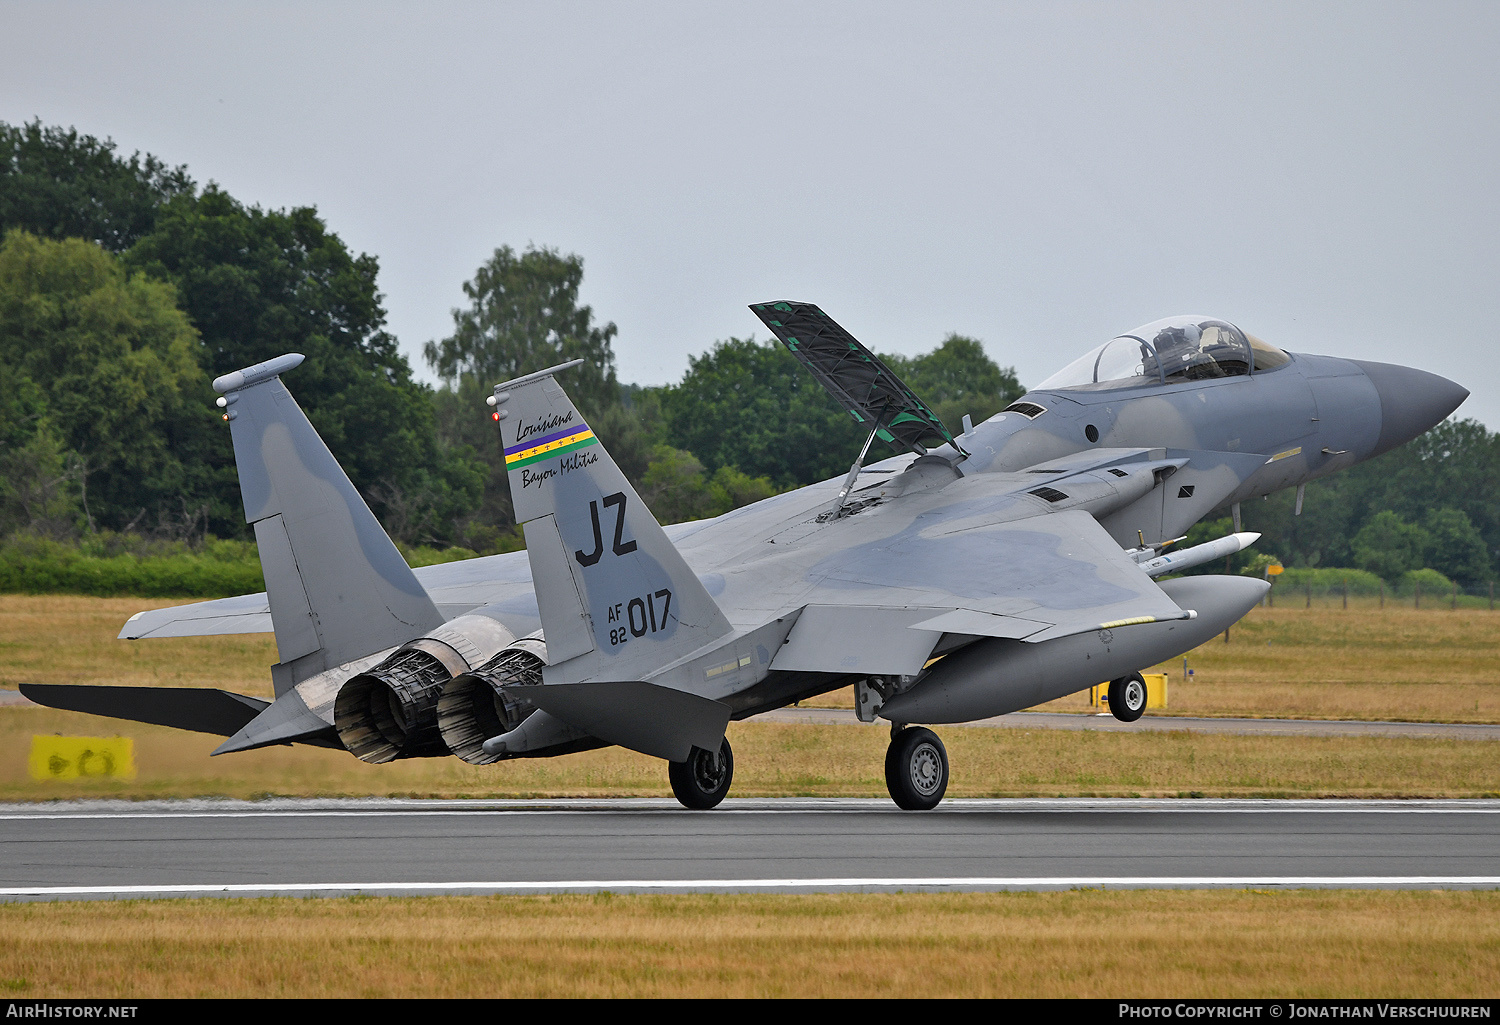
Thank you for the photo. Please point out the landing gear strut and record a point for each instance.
(916, 768)
(702, 781)
(1127, 697)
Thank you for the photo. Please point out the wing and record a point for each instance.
(1038, 579)
(853, 375)
(500, 582)
(455, 588)
(883, 607)
(243, 614)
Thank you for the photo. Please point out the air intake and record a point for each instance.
(1030, 410)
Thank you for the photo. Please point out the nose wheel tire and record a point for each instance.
(702, 781)
(916, 769)
(1127, 697)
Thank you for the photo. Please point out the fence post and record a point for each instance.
(1455, 596)
(1417, 590)
(1346, 593)
(1382, 594)
(1309, 595)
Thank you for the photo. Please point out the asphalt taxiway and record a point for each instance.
(93, 850)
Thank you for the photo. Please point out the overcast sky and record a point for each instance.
(1041, 176)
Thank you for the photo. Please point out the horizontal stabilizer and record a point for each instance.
(656, 721)
(203, 710)
(289, 719)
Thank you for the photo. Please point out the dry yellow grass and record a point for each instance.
(72, 639)
(1075, 944)
(1224, 944)
(1365, 662)
(793, 760)
(1431, 664)
(1396, 663)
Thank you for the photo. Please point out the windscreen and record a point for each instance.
(1168, 352)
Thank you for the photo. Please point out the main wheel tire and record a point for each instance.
(916, 769)
(1127, 697)
(702, 781)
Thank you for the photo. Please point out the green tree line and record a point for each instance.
(1430, 504)
(126, 287)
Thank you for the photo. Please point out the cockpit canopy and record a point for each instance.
(1168, 352)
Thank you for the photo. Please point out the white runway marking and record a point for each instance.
(376, 808)
(410, 847)
(833, 885)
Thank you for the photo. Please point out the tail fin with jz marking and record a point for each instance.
(617, 600)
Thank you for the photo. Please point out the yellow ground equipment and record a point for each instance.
(1156, 692)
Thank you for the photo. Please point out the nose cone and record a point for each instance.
(1411, 401)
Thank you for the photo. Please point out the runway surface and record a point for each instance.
(92, 850)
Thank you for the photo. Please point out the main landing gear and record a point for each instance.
(702, 781)
(916, 768)
(1127, 697)
(916, 771)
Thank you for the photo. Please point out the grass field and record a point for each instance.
(1365, 663)
(1432, 665)
(1089, 944)
(71, 639)
(793, 760)
(1326, 662)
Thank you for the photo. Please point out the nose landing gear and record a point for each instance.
(1127, 697)
(916, 768)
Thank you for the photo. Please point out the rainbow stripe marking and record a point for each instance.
(534, 450)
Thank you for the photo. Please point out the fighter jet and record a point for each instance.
(967, 576)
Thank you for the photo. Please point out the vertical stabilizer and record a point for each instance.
(337, 586)
(614, 594)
